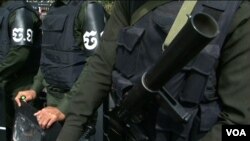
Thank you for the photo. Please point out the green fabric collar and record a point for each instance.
(144, 9)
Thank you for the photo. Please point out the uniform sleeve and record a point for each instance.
(38, 82)
(94, 82)
(81, 26)
(235, 71)
(234, 75)
(18, 53)
(14, 60)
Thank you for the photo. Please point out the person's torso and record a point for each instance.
(140, 45)
(62, 58)
(68, 41)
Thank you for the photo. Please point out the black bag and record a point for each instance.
(26, 127)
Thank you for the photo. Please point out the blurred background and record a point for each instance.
(42, 6)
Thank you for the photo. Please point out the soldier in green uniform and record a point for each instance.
(19, 52)
(71, 32)
(128, 48)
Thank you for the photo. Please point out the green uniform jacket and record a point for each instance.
(95, 81)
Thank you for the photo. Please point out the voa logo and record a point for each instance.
(236, 132)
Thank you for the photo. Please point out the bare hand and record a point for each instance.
(48, 115)
(29, 95)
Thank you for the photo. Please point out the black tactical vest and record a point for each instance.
(62, 58)
(139, 46)
(25, 38)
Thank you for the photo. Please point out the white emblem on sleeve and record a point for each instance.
(101, 33)
(90, 40)
(29, 35)
(19, 34)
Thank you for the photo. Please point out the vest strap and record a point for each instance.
(180, 20)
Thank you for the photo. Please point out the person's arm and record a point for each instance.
(14, 60)
(235, 71)
(234, 75)
(18, 51)
(23, 25)
(91, 17)
(95, 81)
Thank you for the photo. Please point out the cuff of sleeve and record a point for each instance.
(37, 87)
(64, 106)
